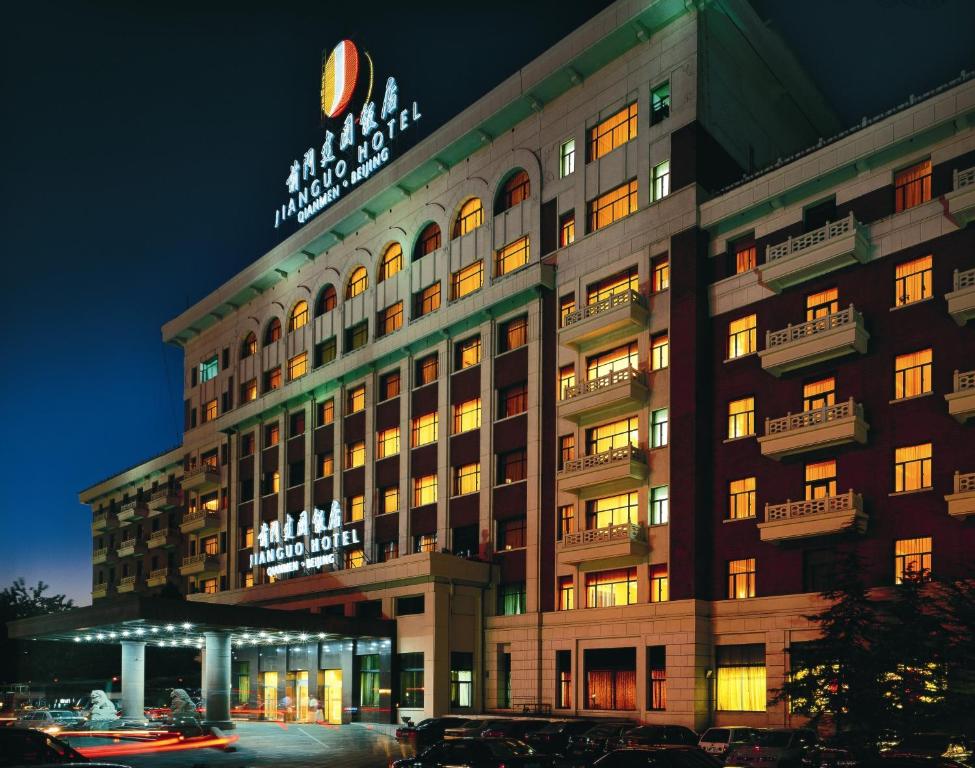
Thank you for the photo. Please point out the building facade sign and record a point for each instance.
(354, 148)
(303, 543)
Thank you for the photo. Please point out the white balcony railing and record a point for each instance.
(964, 483)
(128, 544)
(200, 471)
(203, 558)
(799, 243)
(127, 582)
(617, 532)
(194, 515)
(964, 279)
(792, 510)
(99, 554)
(160, 536)
(964, 380)
(827, 413)
(963, 178)
(607, 380)
(612, 456)
(804, 330)
(608, 304)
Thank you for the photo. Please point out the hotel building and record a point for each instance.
(600, 376)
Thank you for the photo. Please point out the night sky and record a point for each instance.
(145, 146)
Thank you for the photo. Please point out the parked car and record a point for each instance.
(50, 720)
(720, 741)
(472, 728)
(427, 732)
(774, 748)
(554, 737)
(477, 753)
(513, 729)
(26, 746)
(844, 750)
(655, 735)
(582, 750)
(913, 761)
(950, 746)
(668, 756)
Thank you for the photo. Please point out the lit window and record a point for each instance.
(468, 353)
(391, 318)
(822, 303)
(567, 379)
(391, 262)
(741, 418)
(326, 412)
(622, 283)
(512, 599)
(742, 336)
(248, 346)
(427, 300)
(273, 332)
(661, 181)
(820, 479)
(427, 242)
(616, 434)
(614, 131)
(209, 411)
(297, 366)
(912, 559)
(209, 369)
(355, 399)
(512, 467)
(358, 283)
(467, 416)
(661, 274)
(657, 669)
(912, 186)
(660, 103)
(567, 593)
(354, 558)
(389, 385)
(741, 678)
(465, 281)
(427, 370)
(512, 257)
(467, 479)
(326, 465)
(248, 391)
(819, 394)
(567, 450)
(659, 428)
(659, 583)
(912, 468)
(461, 679)
(912, 374)
(741, 579)
(746, 257)
(567, 520)
(355, 455)
(272, 482)
(355, 507)
(659, 351)
(248, 579)
(470, 217)
(247, 444)
(389, 500)
(567, 306)
(513, 334)
(741, 498)
(912, 281)
(386, 551)
(424, 429)
(567, 158)
(515, 190)
(272, 379)
(513, 400)
(605, 589)
(567, 229)
(272, 434)
(387, 442)
(425, 542)
(613, 510)
(612, 206)
(512, 533)
(298, 316)
(659, 505)
(424, 490)
(327, 300)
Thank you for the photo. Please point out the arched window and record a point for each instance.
(392, 262)
(516, 189)
(427, 242)
(357, 283)
(248, 346)
(273, 332)
(471, 216)
(299, 316)
(326, 301)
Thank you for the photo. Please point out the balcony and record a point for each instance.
(163, 499)
(824, 427)
(132, 510)
(203, 563)
(102, 556)
(961, 300)
(609, 395)
(200, 521)
(618, 469)
(202, 478)
(166, 537)
(796, 346)
(127, 584)
(961, 503)
(961, 200)
(102, 520)
(158, 577)
(101, 590)
(131, 547)
(834, 245)
(615, 316)
(961, 400)
(814, 517)
(618, 545)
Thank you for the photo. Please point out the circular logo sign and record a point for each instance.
(339, 77)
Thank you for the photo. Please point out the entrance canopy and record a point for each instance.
(164, 622)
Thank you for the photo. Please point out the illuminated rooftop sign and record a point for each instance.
(362, 144)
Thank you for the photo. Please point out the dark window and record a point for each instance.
(818, 569)
(411, 679)
(657, 677)
(659, 103)
(514, 334)
(409, 606)
(512, 466)
(513, 400)
(816, 216)
(512, 534)
(389, 385)
(326, 301)
(296, 473)
(325, 352)
(296, 424)
(465, 541)
(357, 336)
(247, 444)
(273, 332)
(428, 242)
(563, 679)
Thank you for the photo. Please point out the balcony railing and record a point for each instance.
(127, 584)
(793, 245)
(158, 577)
(810, 328)
(199, 562)
(793, 510)
(964, 483)
(100, 555)
(100, 520)
(604, 305)
(608, 380)
(964, 279)
(612, 456)
(793, 421)
(203, 514)
(99, 590)
(963, 178)
(163, 537)
(963, 380)
(617, 532)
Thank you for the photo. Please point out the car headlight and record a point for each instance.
(955, 750)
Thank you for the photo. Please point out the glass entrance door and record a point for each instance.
(297, 692)
(269, 695)
(330, 695)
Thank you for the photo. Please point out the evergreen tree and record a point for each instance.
(957, 601)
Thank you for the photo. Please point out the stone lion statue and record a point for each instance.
(180, 704)
(101, 707)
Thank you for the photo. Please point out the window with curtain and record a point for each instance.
(741, 418)
(742, 336)
(659, 351)
(563, 668)
(819, 394)
(660, 505)
(411, 679)
(912, 468)
(608, 588)
(657, 677)
(612, 206)
(427, 242)
(567, 593)
(660, 280)
(820, 479)
(515, 190)
(465, 281)
(616, 434)
(369, 680)
(913, 281)
(567, 379)
(614, 131)
(620, 358)
(298, 316)
(741, 579)
(610, 678)
(822, 303)
(741, 678)
(512, 256)
(912, 186)
(391, 263)
(659, 430)
(614, 285)
(912, 374)
(741, 498)
(746, 257)
(461, 678)
(467, 416)
(612, 510)
(512, 599)
(912, 556)
(659, 583)
(470, 217)
(358, 282)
